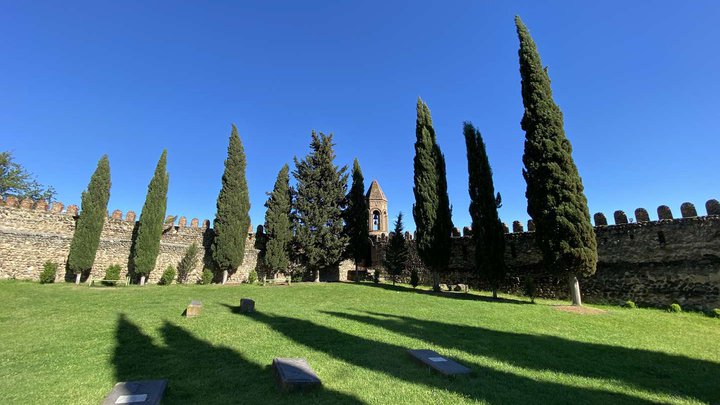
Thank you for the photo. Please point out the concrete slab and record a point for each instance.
(438, 363)
(148, 392)
(294, 374)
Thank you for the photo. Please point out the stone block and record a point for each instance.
(444, 287)
(460, 287)
(600, 219)
(148, 392)
(247, 306)
(438, 363)
(641, 215)
(687, 210)
(293, 374)
(517, 227)
(193, 309)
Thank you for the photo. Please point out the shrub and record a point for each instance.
(675, 308)
(187, 264)
(252, 277)
(168, 276)
(629, 304)
(207, 276)
(48, 274)
(715, 313)
(112, 273)
(414, 279)
(530, 289)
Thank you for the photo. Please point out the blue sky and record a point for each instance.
(637, 82)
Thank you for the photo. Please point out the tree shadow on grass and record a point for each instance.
(200, 373)
(487, 384)
(445, 294)
(653, 371)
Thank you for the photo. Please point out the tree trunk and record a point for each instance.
(264, 278)
(575, 291)
(357, 273)
(436, 281)
(225, 276)
(142, 280)
(77, 278)
(317, 276)
(494, 293)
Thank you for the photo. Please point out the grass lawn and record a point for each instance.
(67, 344)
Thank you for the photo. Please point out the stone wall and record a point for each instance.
(653, 263)
(31, 234)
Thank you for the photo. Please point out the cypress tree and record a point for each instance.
(432, 211)
(319, 201)
(150, 226)
(278, 227)
(556, 200)
(357, 218)
(232, 219)
(488, 233)
(86, 237)
(397, 253)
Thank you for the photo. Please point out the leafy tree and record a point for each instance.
(232, 220)
(396, 254)
(432, 211)
(488, 233)
(15, 180)
(187, 263)
(357, 219)
(278, 225)
(556, 200)
(86, 237)
(319, 201)
(150, 225)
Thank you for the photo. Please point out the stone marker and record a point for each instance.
(460, 287)
(444, 287)
(438, 363)
(193, 309)
(148, 392)
(294, 374)
(247, 305)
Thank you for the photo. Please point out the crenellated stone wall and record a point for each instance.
(653, 263)
(33, 233)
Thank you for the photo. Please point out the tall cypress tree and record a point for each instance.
(432, 211)
(278, 226)
(232, 219)
(319, 202)
(150, 226)
(357, 218)
(396, 254)
(556, 200)
(86, 237)
(488, 233)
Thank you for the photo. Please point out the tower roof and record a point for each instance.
(375, 192)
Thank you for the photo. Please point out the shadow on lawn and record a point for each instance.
(652, 371)
(445, 294)
(200, 373)
(488, 384)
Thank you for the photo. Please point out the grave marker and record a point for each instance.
(294, 374)
(247, 305)
(148, 392)
(193, 309)
(438, 363)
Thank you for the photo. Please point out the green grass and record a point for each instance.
(67, 344)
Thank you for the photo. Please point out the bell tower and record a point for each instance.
(377, 204)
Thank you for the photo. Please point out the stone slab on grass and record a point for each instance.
(439, 363)
(293, 374)
(149, 392)
(247, 305)
(193, 309)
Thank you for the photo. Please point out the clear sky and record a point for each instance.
(637, 82)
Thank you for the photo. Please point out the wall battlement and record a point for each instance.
(32, 233)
